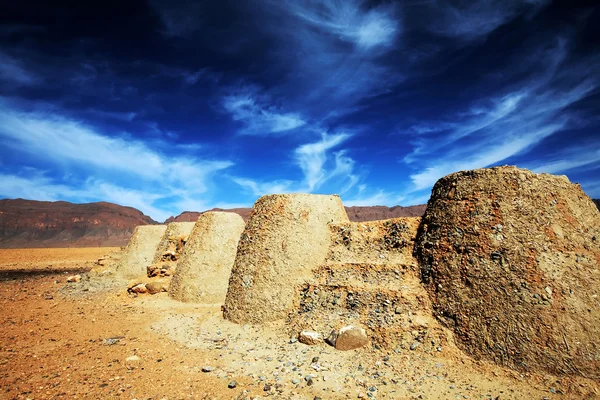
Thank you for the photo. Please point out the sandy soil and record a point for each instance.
(92, 340)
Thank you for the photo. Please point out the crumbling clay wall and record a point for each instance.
(139, 252)
(204, 267)
(285, 239)
(510, 260)
(370, 279)
(170, 248)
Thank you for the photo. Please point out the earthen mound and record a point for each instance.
(139, 252)
(510, 259)
(286, 238)
(203, 270)
(170, 248)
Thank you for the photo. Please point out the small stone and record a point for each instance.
(293, 340)
(132, 359)
(295, 381)
(315, 359)
(154, 287)
(309, 382)
(414, 345)
(310, 338)
(232, 385)
(140, 289)
(74, 278)
(208, 368)
(548, 290)
(348, 338)
(267, 388)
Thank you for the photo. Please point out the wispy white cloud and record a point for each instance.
(259, 118)
(179, 18)
(490, 132)
(311, 158)
(474, 19)
(41, 187)
(125, 170)
(349, 21)
(319, 165)
(333, 50)
(570, 158)
(12, 71)
(378, 198)
(261, 188)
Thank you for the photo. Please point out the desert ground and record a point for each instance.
(91, 339)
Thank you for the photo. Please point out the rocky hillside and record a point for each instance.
(30, 223)
(355, 214)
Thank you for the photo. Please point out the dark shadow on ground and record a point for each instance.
(16, 274)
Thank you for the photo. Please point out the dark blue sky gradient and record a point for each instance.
(186, 105)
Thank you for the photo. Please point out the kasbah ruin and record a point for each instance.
(492, 294)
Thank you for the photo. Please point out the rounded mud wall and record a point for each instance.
(285, 239)
(511, 262)
(139, 252)
(203, 270)
(175, 232)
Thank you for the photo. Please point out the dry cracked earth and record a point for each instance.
(92, 340)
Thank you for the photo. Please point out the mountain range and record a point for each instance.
(31, 223)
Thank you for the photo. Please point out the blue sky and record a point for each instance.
(169, 106)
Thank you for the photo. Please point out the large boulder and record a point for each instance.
(511, 262)
(139, 252)
(285, 240)
(203, 270)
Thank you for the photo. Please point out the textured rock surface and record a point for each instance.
(371, 279)
(348, 338)
(139, 253)
(203, 270)
(510, 259)
(29, 223)
(286, 238)
(169, 249)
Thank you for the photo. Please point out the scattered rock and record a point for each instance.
(310, 338)
(232, 385)
(154, 287)
(348, 338)
(208, 368)
(140, 289)
(74, 278)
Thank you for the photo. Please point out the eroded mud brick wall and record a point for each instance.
(139, 252)
(174, 232)
(511, 262)
(286, 238)
(205, 265)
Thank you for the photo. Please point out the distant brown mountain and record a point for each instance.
(192, 216)
(30, 223)
(355, 214)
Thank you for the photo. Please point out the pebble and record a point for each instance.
(414, 345)
(232, 385)
(208, 368)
